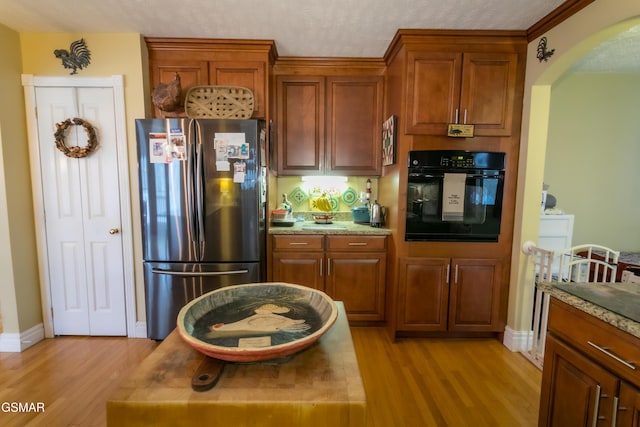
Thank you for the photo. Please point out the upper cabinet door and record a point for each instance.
(455, 87)
(354, 125)
(249, 74)
(488, 91)
(216, 62)
(433, 91)
(329, 125)
(192, 73)
(300, 104)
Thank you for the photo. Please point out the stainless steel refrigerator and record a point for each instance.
(203, 209)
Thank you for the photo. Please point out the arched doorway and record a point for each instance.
(540, 79)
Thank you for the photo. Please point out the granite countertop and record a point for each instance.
(336, 227)
(614, 303)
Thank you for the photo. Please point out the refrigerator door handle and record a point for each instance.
(191, 215)
(198, 273)
(199, 206)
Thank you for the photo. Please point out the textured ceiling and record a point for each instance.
(348, 28)
(359, 28)
(620, 54)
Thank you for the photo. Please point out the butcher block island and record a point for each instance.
(320, 386)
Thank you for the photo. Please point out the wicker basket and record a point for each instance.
(219, 102)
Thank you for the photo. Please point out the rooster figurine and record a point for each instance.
(77, 57)
(166, 96)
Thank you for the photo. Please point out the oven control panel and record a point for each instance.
(457, 161)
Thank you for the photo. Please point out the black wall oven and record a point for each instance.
(454, 195)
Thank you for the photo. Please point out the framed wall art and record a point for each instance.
(388, 141)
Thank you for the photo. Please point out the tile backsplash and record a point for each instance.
(343, 192)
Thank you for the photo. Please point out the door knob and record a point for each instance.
(114, 231)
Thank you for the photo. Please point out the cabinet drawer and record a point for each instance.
(298, 243)
(615, 349)
(356, 243)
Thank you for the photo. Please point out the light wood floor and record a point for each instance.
(413, 382)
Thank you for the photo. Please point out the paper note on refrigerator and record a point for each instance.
(237, 146)
(239, 172)
(159, 148)
(222, 157)
(177, 145)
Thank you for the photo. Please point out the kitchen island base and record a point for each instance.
(320, 386)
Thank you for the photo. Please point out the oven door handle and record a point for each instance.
(479, 175)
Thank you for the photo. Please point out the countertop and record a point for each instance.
(336, 227)
(603, 301)
(320, 386)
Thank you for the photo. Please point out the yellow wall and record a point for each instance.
(571, 40)
(19, 284)
(111, 54)
(592, 156)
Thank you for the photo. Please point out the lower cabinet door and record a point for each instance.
(423, 294)
(301, 268)
(627, 407)
(357, 279)
(575, 391)
(475, 296)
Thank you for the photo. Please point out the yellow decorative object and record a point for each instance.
(322, 203)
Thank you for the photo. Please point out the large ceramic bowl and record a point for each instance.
(257, 321)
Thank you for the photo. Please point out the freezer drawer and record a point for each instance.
(170, 286)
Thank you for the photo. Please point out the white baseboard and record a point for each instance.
(16, 343)
(140, 331)
(517, 340)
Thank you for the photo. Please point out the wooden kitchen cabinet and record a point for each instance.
(192, 73)
(628, 406)
(212, 62)
(423, 299)
(300, 127)
(249, 74)
(356, 274)
(329, 124)
(478, 85)
(349, 268)
(354, 125)
(589, 372)
(449, 294)
(299, 259)
(474, 297)
(582, 390)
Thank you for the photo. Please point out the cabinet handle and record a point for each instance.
(357, 244)
(613, 356)
(448, 270)
(596, 407)
(328, 267)
(320, 267)
(614, 415)
(455, 280)
(298, 243)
